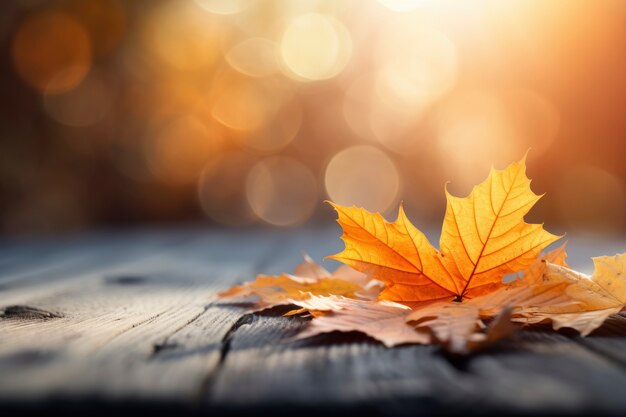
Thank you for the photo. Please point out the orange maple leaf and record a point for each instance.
(531, 289)
(484, 238)
(309, 279)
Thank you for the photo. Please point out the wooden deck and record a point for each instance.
(123, 321)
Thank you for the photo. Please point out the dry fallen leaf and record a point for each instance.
(499, 328)
(584, 302)
(456, 326)
(531, 289)
(455, 297)
(550, 291)
(309, 279)
(383, 320)
(484, 238)
(451, 323)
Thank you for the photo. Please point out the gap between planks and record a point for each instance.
(82, 359)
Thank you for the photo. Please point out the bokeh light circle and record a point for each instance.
(363, 176)
(181, 38)
(371, 115)
(52, 52)
(243, 107)
(225, 7)
(417, 64)
(282, 191)
(473, 132)
(222, 189)
(315, 47)
(278, 134)
(402, 5)
(255, 57)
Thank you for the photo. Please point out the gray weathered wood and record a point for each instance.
(132, 317)
(109, 320)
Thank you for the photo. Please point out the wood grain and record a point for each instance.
(131, 319)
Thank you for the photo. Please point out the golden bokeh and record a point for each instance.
(244, 111)
(242, 107)
(403, 5)
(106, 22)
(178, 149)
(52, 52)
(357, 102)
(417, 64)
(222, 189)
(256, 57)
(181, 36)
(225, 6)
(282, 191)
(280, 133)
(315, 47)
(535, 119)
(363, 176)
(469, 128)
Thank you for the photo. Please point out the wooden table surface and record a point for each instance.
(119, 321)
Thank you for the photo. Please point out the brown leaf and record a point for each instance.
(458, 328)
(451, 323)
(310, 279)
(383, 320)
(584, 302)
(549, 291)
(500, 328)
(532, 289)
(456, 296)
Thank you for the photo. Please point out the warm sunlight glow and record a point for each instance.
(281, 191)
(315, 47)
(363, 176)
(52, 52)
(255, 57)
(179, 148)
(225, 6)
(221, 189)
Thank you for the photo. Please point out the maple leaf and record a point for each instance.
(499, 328)
(531, 289)
(550, 291)
(576, 300)
(309, 279)
(484, 237)
(450, 323)
(456, 326)
(383, 320)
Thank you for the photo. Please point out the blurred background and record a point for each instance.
(243, 112)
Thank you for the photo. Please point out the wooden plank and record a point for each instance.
(609, 340)
(135, 323)
(111, 322)
(544, 371)
(540, 373)
(58, 261)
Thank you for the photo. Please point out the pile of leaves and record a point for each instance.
(397, 288)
